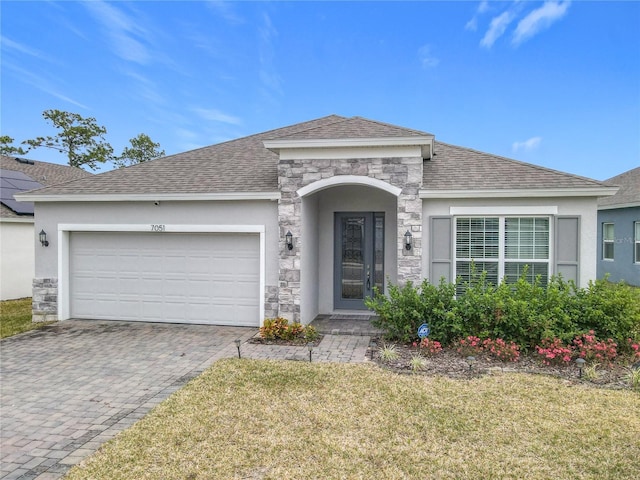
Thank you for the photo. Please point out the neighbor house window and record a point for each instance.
(636, 242)
(504, 247)
(608, 238)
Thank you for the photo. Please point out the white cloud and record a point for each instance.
(9, 44)
(122, 30)
(42, 83)
(427, 59)
(213, 115)
(539, 19)
(269, 75)
(497, 28)
(527, 145)
(226, 11)
(473, 23)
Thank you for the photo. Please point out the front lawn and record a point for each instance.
(248, 419)
(15, 317)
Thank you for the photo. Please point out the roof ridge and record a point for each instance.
(259, 134)
(386, 124)
(519, 162)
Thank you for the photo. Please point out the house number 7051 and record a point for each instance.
(158, 228)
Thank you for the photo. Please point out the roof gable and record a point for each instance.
(629, 192)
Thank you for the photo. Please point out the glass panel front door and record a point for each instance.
(359, 258)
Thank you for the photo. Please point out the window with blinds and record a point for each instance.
(608, 240)
(527, 241)
(503, 247)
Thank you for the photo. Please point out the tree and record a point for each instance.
(142, 150)
(81, 139)
(7, 149)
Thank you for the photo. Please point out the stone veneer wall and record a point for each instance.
(402, 172)
(44, 302)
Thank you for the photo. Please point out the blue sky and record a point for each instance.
(553, 83)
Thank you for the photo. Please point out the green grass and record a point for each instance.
(15, 317)
(247, 419)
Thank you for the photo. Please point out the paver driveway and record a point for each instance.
(67, 389)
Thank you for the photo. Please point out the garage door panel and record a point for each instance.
(195, 278)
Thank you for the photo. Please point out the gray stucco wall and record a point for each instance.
(622, 267)
(49, 215)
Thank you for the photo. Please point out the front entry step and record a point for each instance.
(339, 324)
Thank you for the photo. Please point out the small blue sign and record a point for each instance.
(424, 331)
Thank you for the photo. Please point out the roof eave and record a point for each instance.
(619, 205)
(142, 197)
(520, 192)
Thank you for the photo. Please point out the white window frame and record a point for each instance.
(636, 242)
(502, 259)
(606, 242)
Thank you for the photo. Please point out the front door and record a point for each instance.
(359, 258)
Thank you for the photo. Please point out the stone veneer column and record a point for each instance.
(44, 303)
(405, 173)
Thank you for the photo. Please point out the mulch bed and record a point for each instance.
(257, 339)
(451, 364)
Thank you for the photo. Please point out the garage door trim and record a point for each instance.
(65, 229)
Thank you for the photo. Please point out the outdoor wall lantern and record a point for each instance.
(43, 238)
(289, 239)
(580, 362)
(407, 240)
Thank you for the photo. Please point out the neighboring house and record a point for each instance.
(619, 230)
(301, 221)
(17, 238)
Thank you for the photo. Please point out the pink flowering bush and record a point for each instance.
(554, 352)
(428, 347)
(587, 346)
(634, 348)
(469, 346)
(501, 350)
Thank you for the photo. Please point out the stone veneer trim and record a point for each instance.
(44, 303)
(299, 177)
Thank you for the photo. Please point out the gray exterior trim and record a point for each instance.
(567, 248)
(441, 249)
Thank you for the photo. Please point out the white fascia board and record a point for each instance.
(521, 193)
(620, 205)
(16, 220)
(422, 140)
(149, 197)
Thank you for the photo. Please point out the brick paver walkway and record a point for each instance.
(69, 388)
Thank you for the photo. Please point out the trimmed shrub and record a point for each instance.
(523, 313)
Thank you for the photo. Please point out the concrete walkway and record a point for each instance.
(70, 387)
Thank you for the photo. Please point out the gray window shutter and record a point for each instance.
(567, 251)
(441, 254)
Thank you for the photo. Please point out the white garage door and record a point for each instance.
(206, 278)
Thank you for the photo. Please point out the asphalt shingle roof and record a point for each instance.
(42, 172)
(245, 165)
(459, 168)
(629, 193)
